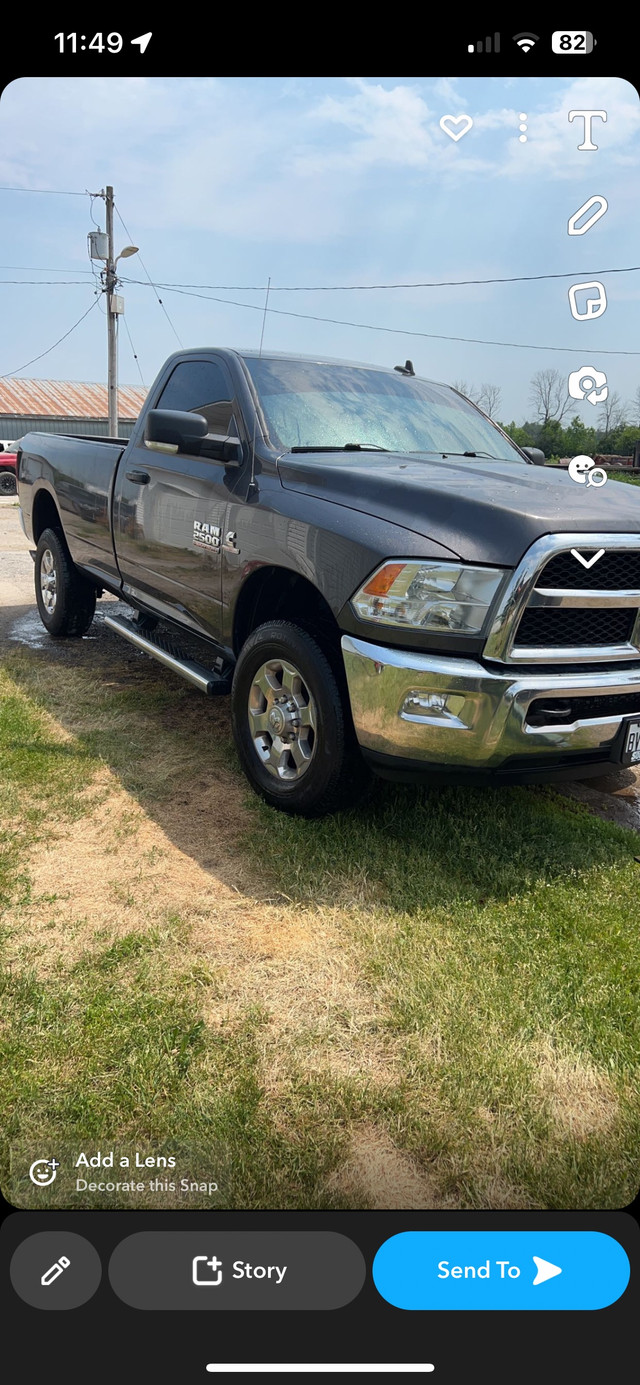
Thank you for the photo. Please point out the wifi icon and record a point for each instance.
(526, 41)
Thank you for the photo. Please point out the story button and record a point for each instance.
(211, 1269)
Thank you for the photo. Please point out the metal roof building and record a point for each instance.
(62, 406)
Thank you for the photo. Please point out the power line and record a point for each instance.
(9, 373)
(44, 282)
(128, 233)
(418, 284)
(337, 288)
(52, 192)
(133, 349)
(395, 331)
(44, 269)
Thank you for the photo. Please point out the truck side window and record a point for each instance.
(201, 387)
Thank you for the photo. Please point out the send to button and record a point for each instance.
(501, 1270)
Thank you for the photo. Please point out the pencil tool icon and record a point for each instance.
(55, 1270)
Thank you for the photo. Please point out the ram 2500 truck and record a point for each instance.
(367, 563)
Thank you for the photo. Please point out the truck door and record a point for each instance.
(169, 511)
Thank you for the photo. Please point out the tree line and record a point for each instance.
(616, 429)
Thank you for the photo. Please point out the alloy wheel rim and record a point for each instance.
(48, 584)
(282, 720)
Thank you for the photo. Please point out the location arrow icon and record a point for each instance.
(143, 42)
(587, 562)
(545, 1270)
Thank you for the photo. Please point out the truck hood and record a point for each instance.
(483, 511)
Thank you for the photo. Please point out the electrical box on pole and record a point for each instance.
(98, 245)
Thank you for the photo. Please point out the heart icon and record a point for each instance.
(449, 121)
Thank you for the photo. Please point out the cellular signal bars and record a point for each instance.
(487, 45)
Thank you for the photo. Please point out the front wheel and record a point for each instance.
(291, 733)
(66, 600)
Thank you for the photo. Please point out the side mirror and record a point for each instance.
(168, 430)
(535, 454)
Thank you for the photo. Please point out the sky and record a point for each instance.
(320, 182)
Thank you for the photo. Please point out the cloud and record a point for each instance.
(290, 161)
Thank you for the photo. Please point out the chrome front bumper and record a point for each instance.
(451, 713)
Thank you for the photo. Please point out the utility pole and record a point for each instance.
(112, 336)
(101, 247)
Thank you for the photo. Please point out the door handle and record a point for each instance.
(140, 478)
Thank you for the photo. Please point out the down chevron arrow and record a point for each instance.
(587, 562)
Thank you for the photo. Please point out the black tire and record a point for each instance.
(66, 600)
(334, 774)
(8, 484)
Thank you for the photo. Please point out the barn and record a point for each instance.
(64, 406)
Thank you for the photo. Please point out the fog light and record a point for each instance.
(432, 706)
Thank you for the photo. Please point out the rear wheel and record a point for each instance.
(66, 600)
(291, 733)
(7, 482)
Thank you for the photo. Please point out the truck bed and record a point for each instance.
(79, 471)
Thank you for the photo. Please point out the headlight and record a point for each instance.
(429, 596)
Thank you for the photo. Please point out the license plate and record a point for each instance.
(631, 752)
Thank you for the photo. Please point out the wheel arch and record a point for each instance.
(278, 593)
(45, 515)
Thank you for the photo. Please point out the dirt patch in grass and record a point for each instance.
(378, 1175)
(116, 872)
(581, 1100)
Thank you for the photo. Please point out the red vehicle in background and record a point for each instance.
(8, 473)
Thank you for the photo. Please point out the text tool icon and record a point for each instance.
(55, 1270)
(206, 1272)
(545, 1270)
(588, 117)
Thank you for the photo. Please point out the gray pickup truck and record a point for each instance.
(370, 567)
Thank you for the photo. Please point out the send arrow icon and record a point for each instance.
(545, 1270)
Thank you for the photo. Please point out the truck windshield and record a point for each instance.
(309, 404)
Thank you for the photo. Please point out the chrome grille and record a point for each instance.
(558, 628)
(612, 572)
(555, 610)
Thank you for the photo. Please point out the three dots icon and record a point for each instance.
(523, 128)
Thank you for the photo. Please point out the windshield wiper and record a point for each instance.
(489, 455)
(344, 447)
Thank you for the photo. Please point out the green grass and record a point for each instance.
(498, 927)
(131, 1065)
(39, 774)
(490, 939)
(619, 476)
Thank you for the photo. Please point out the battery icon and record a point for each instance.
(572, 41)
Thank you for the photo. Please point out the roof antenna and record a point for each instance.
(406, 369)
(252, 482)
